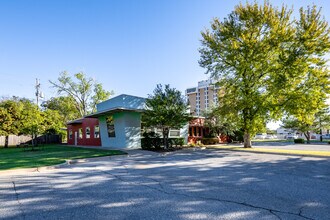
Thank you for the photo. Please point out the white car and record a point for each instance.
(270, 136)
(291, 136)
(260, 136)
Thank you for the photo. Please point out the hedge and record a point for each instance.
(299, 141)
(148, 143)
(210, 141)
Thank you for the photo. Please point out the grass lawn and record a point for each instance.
(14, 158)
(272, 140)
(275, 151)
(325, 141)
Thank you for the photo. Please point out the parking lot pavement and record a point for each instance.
(187, 184)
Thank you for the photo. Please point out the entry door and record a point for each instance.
(75, 138)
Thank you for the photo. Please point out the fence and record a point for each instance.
(44, 139)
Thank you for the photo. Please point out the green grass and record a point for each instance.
(288, 141)
(14, 158)
(271, 140)
(276, 151)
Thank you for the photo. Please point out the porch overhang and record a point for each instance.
(112, 111)
(75, 122)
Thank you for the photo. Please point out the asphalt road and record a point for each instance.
(200, 184)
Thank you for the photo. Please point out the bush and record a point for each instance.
(210, 141)
(150, 140)
(299, 141)
(191, 144)
(239, 135)
(176, 141)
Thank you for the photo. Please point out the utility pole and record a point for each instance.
(39, 94)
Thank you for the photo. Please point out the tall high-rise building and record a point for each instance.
(202, 97)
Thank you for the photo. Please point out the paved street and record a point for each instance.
(200, 184)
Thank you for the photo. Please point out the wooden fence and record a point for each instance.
(42, 139)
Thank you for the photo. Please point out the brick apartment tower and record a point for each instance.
(202, 97)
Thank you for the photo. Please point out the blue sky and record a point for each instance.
(129, 46)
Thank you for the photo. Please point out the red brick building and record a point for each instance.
(84, 131)
(197, 130)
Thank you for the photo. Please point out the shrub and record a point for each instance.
(299, 141)
(150, 140)
(176, 141)
(199, 143)
(209, 141)
(151, 143)
(191, 144)
(239, 135)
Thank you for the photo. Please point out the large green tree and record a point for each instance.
(10, 117)
(267, 63)
(309, 123)
(219, 125)
(166, 108)
(32, 121)
(21, 116)
(65, 105)
(322, 121)
(85, 91)
(35, 121)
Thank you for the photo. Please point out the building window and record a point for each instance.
(111, 127)
(174, 133)
(88, 132)
(190, 131)
(70, 134)
(195, 131)
(96, 131)
(80, 133)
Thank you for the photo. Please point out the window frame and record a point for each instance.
(80, 133)
(111, 127)
(97, 131)
(88, 135)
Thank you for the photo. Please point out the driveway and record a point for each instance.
(200, 184)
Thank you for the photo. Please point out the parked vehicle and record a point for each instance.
(326, 136)
(291, 136)
(260, 136)
(270, 136)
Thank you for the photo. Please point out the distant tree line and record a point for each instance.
(78, 96)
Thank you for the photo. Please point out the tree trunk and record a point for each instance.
(321, 138)
(308, 137)
(165, 137)
(6, 141)
(33, 141)
(247, 140)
